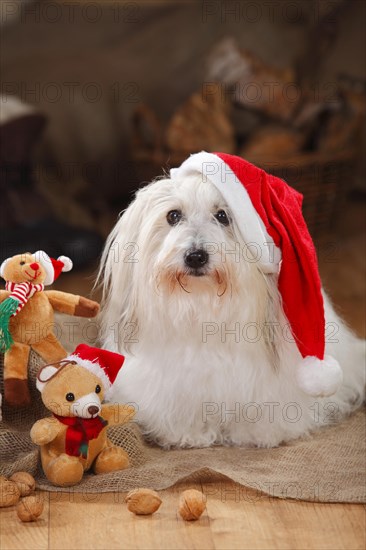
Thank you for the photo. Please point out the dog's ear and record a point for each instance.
(116, 276)
(272, 331)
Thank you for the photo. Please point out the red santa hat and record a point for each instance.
(101, 362)
(268, 214)
(52, 267)
(104, 364)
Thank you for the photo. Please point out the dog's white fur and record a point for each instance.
(195, 383)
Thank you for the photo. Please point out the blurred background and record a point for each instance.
(97, 98)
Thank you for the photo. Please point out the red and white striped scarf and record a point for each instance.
(22, 292)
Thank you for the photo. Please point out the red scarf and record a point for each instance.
(79, 432)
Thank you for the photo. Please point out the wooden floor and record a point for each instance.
(234, 519)
(230, 522)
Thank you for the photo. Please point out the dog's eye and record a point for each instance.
(221, 217)
(70, 397)
(173, 217)
(98, 389)
(21, 263)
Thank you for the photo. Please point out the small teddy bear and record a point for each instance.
(27, 319)
(75, 439)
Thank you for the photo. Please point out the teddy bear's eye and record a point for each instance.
(98, 389)
(70, 397)
(21, 263)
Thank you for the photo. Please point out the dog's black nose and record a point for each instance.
(93, 409)
(196, 258)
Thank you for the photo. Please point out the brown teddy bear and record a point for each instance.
(27, 319)
(74, 439)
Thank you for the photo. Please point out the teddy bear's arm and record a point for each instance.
(72, 304)
(45, 430)
(117, 414)
(4, 294)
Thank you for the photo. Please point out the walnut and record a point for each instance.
(9, 493)
(143, 501)
(25, 482)
(30, 508)
(192, 504)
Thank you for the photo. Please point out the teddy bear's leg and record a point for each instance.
(111, 459)
(50, 349)
(16, 391)
(64, 470)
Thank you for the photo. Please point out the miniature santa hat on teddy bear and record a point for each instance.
(53, 267)
(268, 214)
(101, 362)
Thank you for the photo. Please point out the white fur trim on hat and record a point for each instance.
(250, 224)
(67, 263)
(319, 378)
(93, 367)
(43, 258)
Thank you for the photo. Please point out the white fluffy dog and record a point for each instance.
(209, 357)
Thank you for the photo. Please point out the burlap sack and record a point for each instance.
(327, 467)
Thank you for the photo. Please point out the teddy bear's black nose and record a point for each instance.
(93, 409)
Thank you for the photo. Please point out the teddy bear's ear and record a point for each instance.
(44, 375)
(2, 267)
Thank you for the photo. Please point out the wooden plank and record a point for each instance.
(15, 535)
(242, 519)
(103, 521)
(236, 518)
